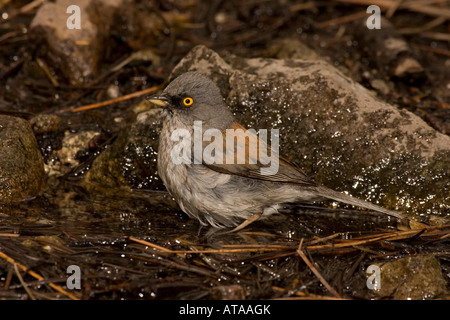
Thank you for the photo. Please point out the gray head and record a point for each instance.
(191, 97)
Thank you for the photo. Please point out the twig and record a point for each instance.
(432, 11)
(37, 276)
(311, 246)
(244, 249)
(30, 294)
(150, 244)
(31, 6)
(312, 5)
(116, 100)
(269, 247)
(366, 240)
(439, 36)
(47, 72)
(25, 9)
(340, 20)
(434, 50)
(315, 271)
(416, 6)
(427, 26)
(9, 235)
(392, 9)
(324, 239)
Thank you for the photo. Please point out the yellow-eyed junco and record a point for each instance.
(205, 176)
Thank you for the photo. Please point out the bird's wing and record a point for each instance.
(244, 154)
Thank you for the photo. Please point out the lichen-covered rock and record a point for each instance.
(417, 277)
(335, 129)
(21, 166)
(130, 162)
(44, 123)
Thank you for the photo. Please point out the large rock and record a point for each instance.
(335, 129)
(21, 166)
(74, 53)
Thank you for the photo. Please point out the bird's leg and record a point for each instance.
(251, 219)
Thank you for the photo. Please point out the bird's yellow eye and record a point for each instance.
(188, 101)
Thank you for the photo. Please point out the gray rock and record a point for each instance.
(21, 166)
(335, 129)
(291, 48)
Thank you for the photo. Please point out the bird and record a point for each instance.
(227, 194)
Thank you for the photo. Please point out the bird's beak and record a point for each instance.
(160, 99)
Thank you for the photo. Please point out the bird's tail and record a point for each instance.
(342, 197)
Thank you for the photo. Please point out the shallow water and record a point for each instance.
(71, 227)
